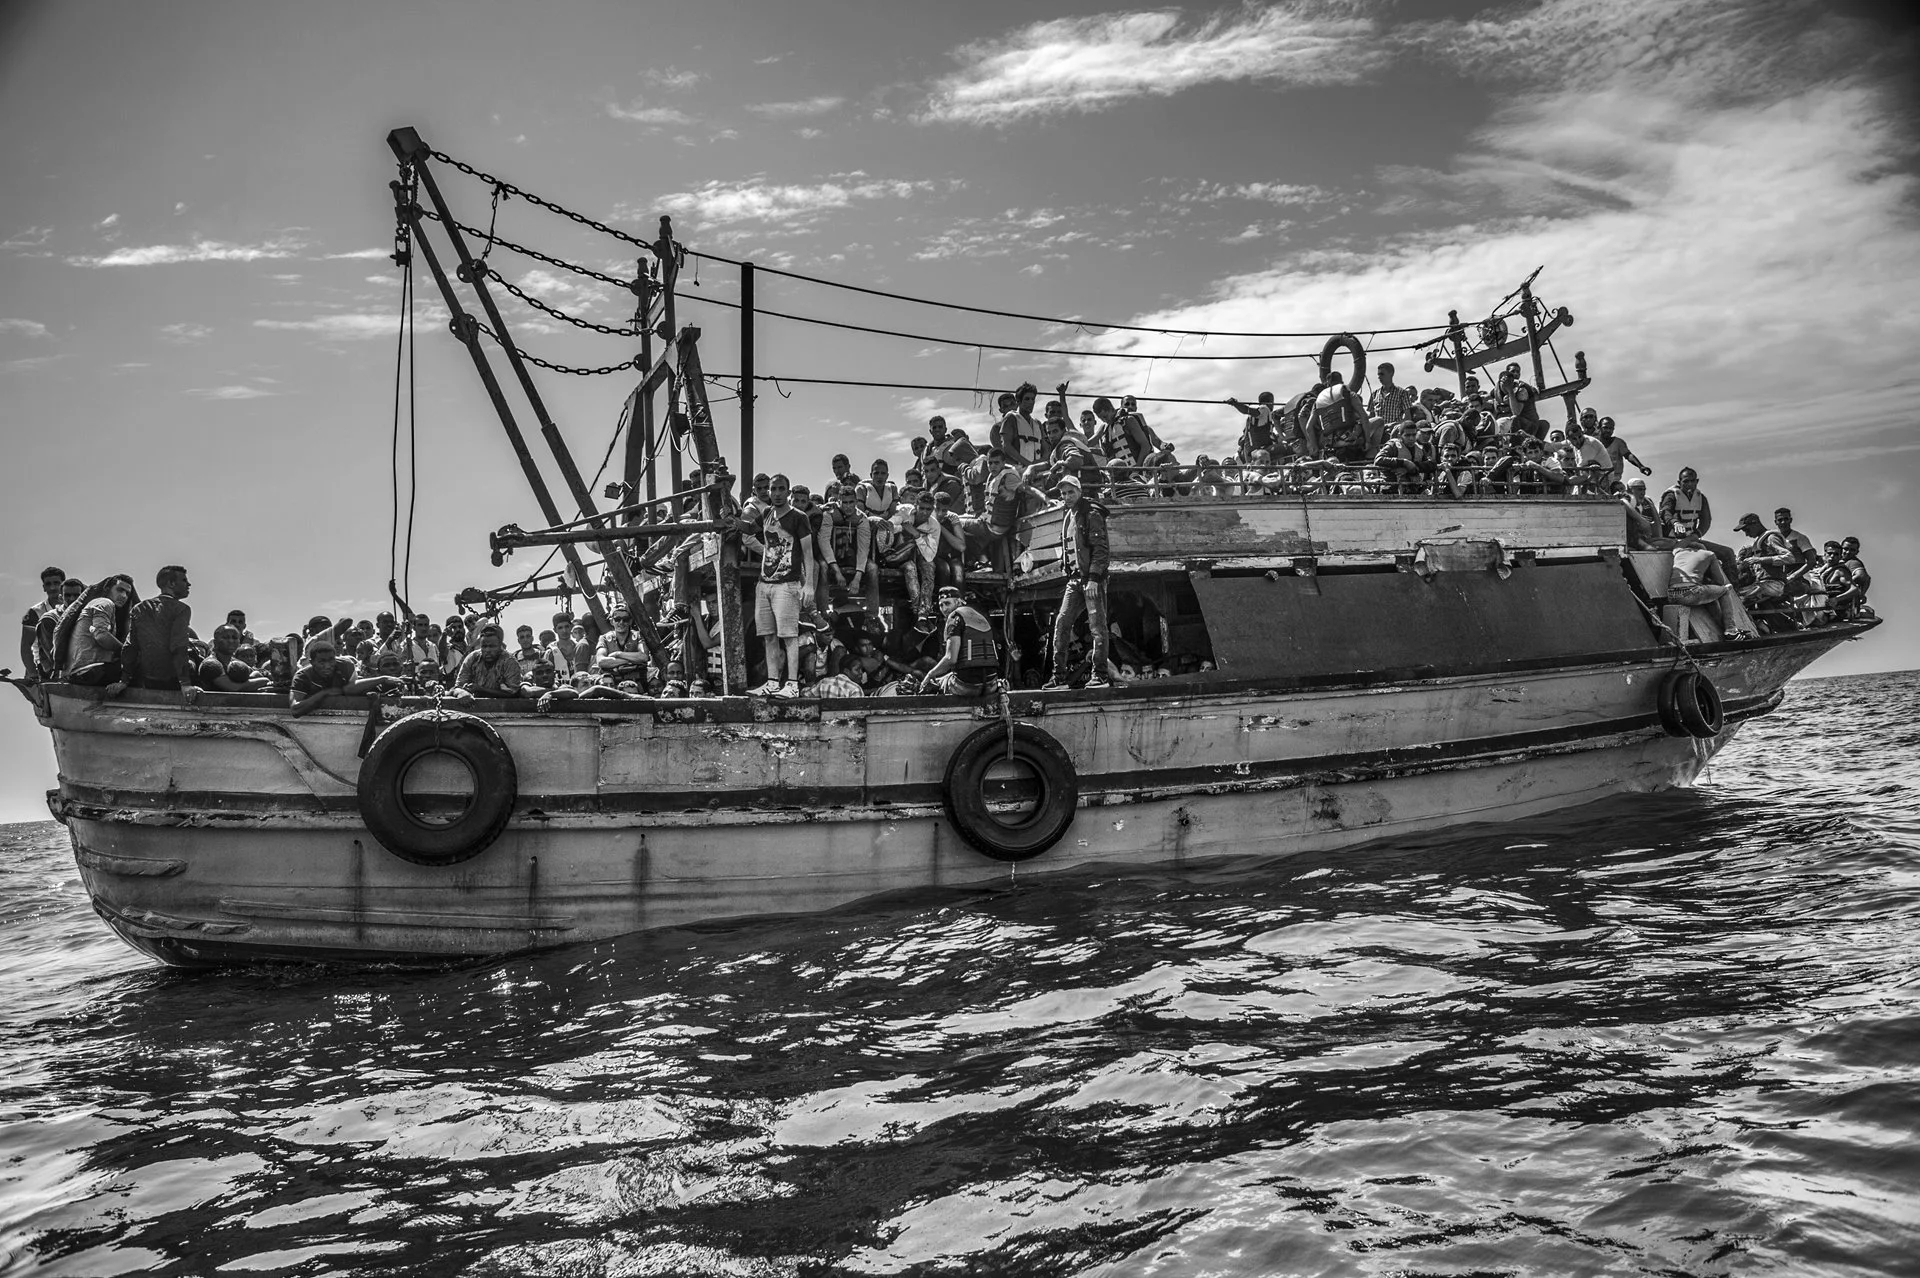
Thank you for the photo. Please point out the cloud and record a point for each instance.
(357, 255)
(31, 238)
(672, 79)
(23, 327)
(793, 110)
(198, 251)
(28, 363)
(342, 327)
(111, 219)
(1084, 64)
(184, 334)
(231, 392)
(757, 200)
(655, 117)
(1712, 256)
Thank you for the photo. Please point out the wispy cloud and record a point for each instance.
(198, 251)
(795, 110)
(31, 238)
(357, 255)
(348, 326)
(111, 219)
(757, 200)
(655, 117)
(1083, 64)
(231, 392)
(672, 79)
(185, 334)
(26, 364)
(23, 327)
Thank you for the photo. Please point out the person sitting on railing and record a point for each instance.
(36, 656)
(1514, 397)
(1405, 463)
(940, 480)
(1018, 435)
(1339, 422)
(845, 545)
(988, 534)
(1520, 468)
(159, 636)
(1120, 438)
(1850, 548)
(92, 637)
(1698, 580)
(1844, 593)
(1084, 559)
(1636, 500)
(1592, 471)
(1764, 563)
(325, 675)
(920, 529)
(878, 495)
(950, 559)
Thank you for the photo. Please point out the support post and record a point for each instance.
(409, 149)
(475, 279)
(706, 448)
(746, 370)
(639, 468)
(1456, 336)
(1527, 309)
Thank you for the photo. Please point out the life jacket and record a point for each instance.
(888, 495)
(1687, 511)
(977, 650)
(1261, 432)
(1023, 433)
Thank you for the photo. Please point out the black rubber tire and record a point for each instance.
(1699, 708)
(965, 795)
(1667, 702)
(496, 785)
(1359, 353)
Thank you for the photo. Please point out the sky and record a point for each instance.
(198, 317)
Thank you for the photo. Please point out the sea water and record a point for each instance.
(1676, 1034)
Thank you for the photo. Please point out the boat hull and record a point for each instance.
(234, 836)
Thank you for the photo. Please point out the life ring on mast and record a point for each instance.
(437, 837)
(1690, 705)
(1024, 826)
(1359, 352)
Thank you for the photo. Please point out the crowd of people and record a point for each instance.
(864, 589)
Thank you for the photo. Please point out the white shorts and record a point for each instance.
(776, 610)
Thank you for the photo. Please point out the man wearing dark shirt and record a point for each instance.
(157, 631)
(326, 676)
(785, 572)
(1083, 554)
(34, 660)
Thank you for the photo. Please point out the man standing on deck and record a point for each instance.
(1342, 432)
(1394, 404)
(158, 635)
(1018, 436)
(786, 570)
(35, 663)
(1083, 555)
(1616, 447)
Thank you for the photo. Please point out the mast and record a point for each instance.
(1527, 309)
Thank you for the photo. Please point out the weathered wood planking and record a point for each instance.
(1203, 529)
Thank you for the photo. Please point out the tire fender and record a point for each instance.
(1359, 353)
(383, 773)
(1690, 706)
(965, 793)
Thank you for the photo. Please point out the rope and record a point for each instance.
(508, 189)
(959, 390)
(998, 346)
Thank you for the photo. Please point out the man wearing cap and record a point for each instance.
(1636, 499)
(1764, 562)
(324, 675)
(620, 654)
(489, 670)
(1083, 555)
(971, 657)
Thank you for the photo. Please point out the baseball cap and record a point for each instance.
(1070, 478)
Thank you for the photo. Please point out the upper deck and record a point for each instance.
(1171, 534)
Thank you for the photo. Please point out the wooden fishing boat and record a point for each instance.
(1374, 666)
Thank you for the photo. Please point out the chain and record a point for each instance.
(535, 254)
(543, 363)
(510, 189)
(482, 269)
